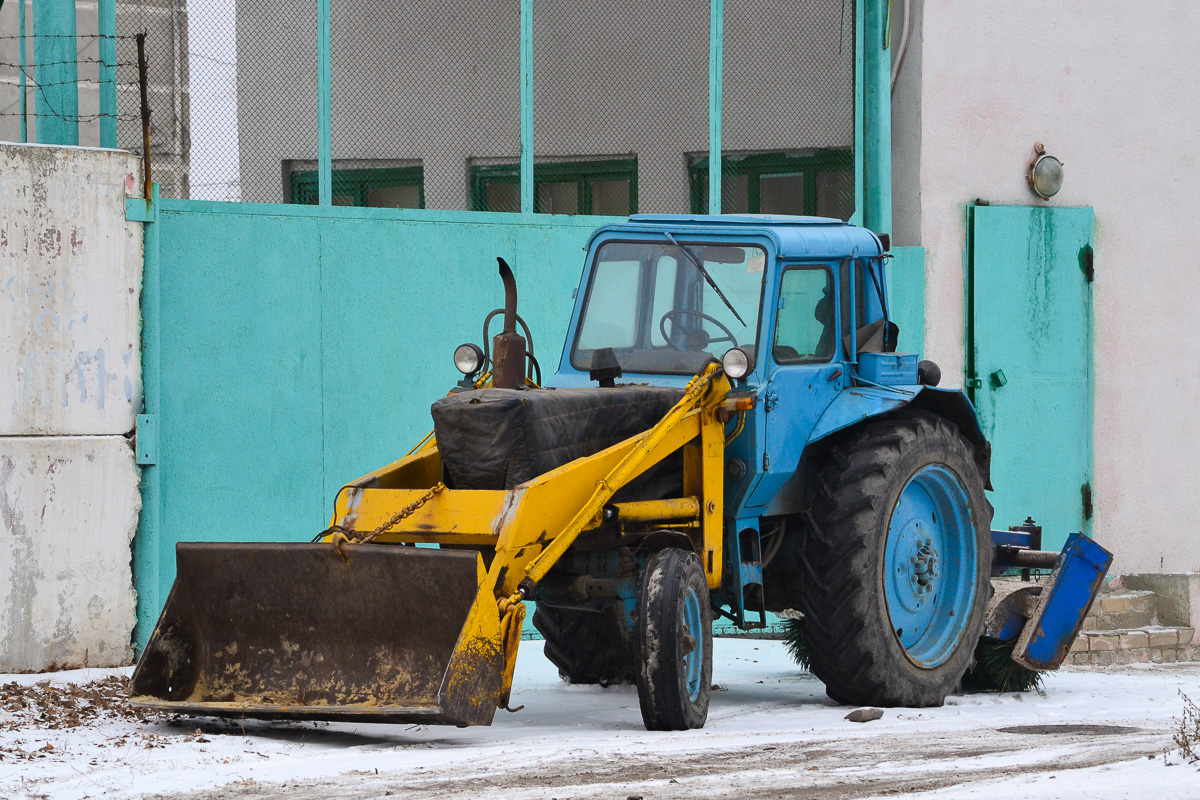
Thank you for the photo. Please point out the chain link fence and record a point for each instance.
(423, 95)
(787, 110)
(619, 100)
(426, 102)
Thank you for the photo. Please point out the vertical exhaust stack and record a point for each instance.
(508, 346)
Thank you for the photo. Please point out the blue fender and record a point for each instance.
(863, 402)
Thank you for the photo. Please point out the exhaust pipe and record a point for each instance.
(508, 346)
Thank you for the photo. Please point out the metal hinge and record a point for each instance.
(770, 399)
(147, 439)
(1087, 263)
(1086, 492)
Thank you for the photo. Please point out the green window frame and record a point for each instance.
(756, 167)
(356, 183)
(583, 173)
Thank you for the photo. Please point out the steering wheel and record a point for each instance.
(685, 312)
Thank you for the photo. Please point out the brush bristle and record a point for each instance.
(995, 671)
(793, 637)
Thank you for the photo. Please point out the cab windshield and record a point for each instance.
(666, 308)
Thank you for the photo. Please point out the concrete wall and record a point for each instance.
(441, 87)
(70, 386)
(1108, 87)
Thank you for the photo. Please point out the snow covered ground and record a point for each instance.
(771, 732)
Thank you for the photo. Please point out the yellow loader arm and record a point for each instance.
(355, 626)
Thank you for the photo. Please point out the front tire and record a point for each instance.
(898, 550)
(674, 642)
(588, 647)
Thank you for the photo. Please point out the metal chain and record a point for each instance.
(341, 535)
(407, 511)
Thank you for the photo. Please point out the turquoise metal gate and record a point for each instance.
(288, 350)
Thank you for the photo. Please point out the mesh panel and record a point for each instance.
(425, 102)
(212, 61)
(232, 90)
(165, 24)
(618, 100)
(276, 95)
(788, 109)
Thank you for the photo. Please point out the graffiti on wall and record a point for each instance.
(58, 328)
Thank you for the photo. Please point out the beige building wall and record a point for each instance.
(1109, 87)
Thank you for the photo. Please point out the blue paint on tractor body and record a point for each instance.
(797, 405)
(930, 563)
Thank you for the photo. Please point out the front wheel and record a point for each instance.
(898, 545)
(674, 642)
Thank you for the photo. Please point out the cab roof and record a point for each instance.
(794, 237)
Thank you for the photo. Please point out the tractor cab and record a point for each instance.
(667, 293)
(795, 308)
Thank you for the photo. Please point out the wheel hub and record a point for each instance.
(924, 566)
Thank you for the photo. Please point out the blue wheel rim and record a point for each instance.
(929, 566)
(693, 660)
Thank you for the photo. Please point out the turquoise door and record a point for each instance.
(1029, 361)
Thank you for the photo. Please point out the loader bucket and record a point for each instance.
(294, 631)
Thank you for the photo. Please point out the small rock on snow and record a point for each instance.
(864, 714)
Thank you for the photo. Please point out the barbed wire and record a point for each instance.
(76, 118)
(79, 81)
(70, 36)
(99, 61)
(49, 109)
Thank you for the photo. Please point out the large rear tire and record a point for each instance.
(674, 642)
(898, 555)
(588, 647)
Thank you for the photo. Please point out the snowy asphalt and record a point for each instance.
(771, 732)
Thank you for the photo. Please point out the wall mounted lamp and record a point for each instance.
(1045, 173)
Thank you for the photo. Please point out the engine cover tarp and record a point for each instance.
(499, 438)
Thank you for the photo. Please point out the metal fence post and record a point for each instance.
(716, 58)
(860, 172)
(324, 108)
(526, 106)
(56, 102)
(877, 108)
(107, 28)
(21, 65)
(148, 547)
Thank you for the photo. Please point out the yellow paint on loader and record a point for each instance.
(417, 596)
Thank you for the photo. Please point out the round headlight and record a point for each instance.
(468, 358)
(1046, 176)
(737, 362)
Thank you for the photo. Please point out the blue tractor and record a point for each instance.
(729, 432)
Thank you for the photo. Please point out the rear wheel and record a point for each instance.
(674, 642)
(898, 550)
(587, 646)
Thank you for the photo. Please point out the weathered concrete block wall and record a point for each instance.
(70, 387)
(1108, 90)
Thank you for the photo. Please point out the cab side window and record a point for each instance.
(804, 327)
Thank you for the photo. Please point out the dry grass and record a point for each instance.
(1187, 735)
